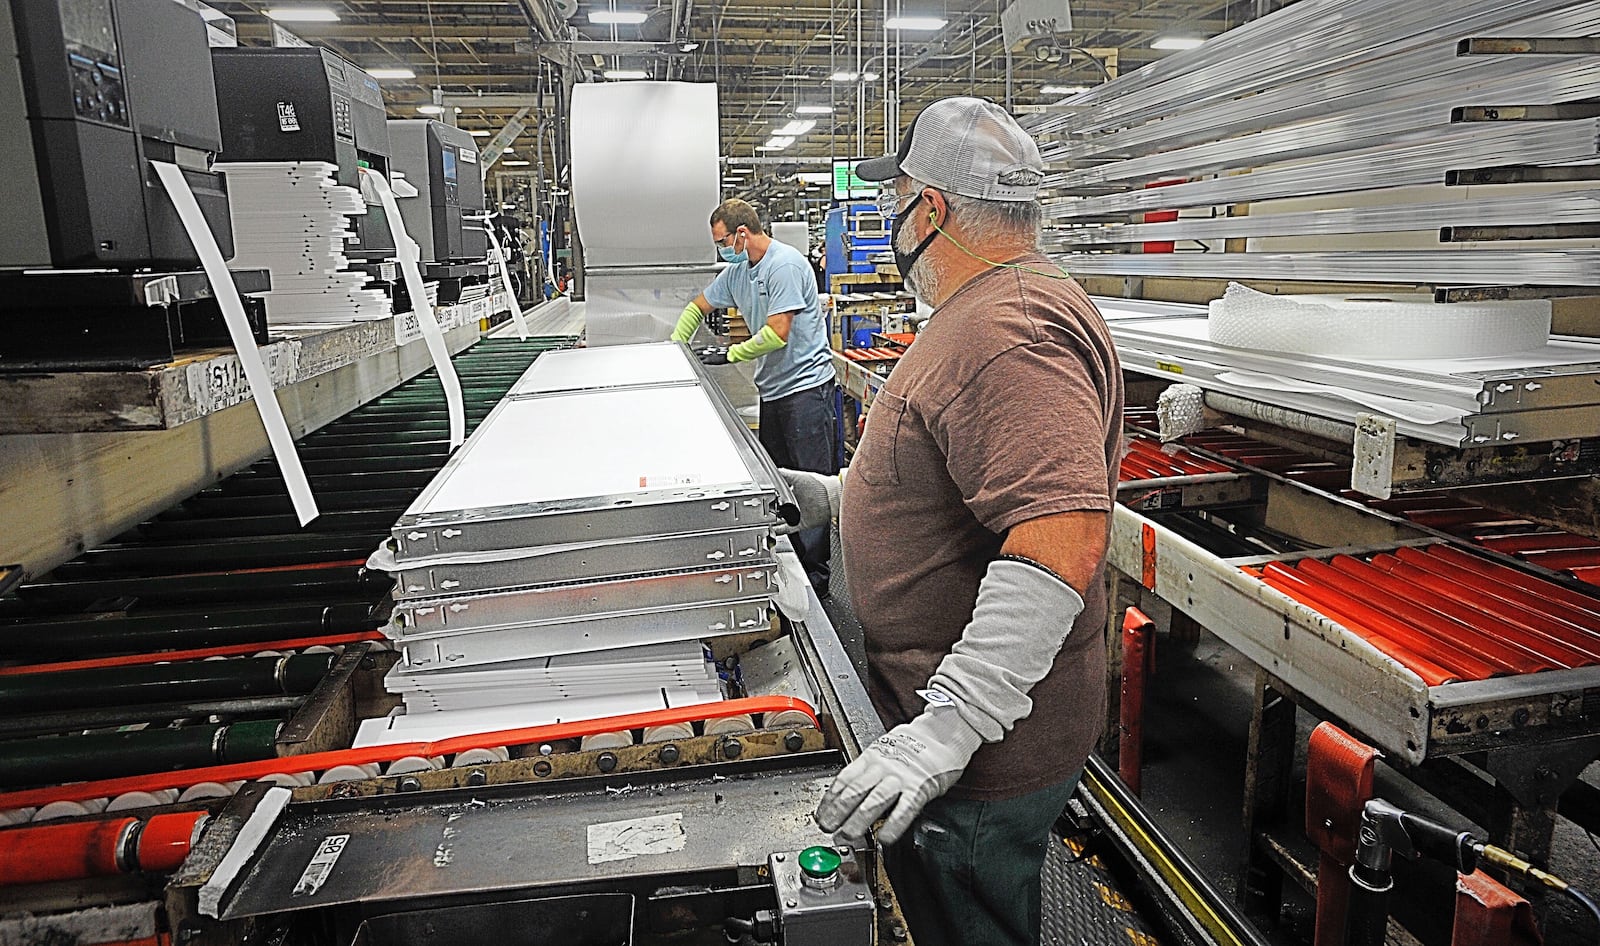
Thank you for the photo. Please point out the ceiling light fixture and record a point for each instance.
(1176, 42)
(388, 72)
(626, 74)
(813, 110)
(776, 143)
(430, 109)
(853, 76)
(923, 23)
(795, 128)
(1063, 89)
(303, 15)
(480, 133)
(617, 17)
(515, 164)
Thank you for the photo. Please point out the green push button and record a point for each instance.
(819, 863)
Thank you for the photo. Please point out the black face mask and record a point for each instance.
(904, 261)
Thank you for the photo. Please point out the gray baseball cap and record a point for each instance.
(965, 146)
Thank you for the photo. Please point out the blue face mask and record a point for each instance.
(729, 255)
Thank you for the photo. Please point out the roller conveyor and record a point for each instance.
(234, 543)
(1460, 642)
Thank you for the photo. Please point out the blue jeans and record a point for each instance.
(798, 432)
(967, 873)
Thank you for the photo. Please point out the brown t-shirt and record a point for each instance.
(1008, 407)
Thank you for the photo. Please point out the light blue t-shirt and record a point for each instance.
(782, 282)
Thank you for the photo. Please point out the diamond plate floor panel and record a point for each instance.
(1083, 905)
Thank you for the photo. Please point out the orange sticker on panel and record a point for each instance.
(1147, 536)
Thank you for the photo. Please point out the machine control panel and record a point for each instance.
(97, 92)
(823, 900)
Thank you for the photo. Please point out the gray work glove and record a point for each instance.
(976, 695)
(818, 496)
(907, 767)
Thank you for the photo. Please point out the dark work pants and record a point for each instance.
(967, 873)
(798, 432)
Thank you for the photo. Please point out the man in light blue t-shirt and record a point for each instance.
(773, 287)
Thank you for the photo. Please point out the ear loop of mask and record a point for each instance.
(1061, 274)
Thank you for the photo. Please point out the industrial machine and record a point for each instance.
(447, 215)
(441, 162)
(307, 104)
(93, 93)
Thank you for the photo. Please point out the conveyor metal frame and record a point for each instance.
(1336, 669)
(774, 797)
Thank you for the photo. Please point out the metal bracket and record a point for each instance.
(1536, 776)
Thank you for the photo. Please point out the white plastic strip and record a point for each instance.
(250, 836)
(505, 280)
(407, 253)
(255, 372)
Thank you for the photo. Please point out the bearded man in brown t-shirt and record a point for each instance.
(974, 521)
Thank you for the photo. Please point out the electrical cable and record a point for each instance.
(1587, 903)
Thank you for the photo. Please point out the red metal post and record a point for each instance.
(1138, 662)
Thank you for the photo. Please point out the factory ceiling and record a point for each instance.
(831, 62)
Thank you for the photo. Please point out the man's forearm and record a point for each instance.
(1023, 616)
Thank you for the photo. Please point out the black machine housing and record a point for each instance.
(92, 91)
(441, 162)
(307, 104)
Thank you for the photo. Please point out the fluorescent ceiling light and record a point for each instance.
(775, 143)
(851, 76)
(795, 75)
(508, 151)
(914, 23)
(1063, 89)
(1176, 42)
(515, 164)
(813, 110)
(431, 109)
(869, 77)
(814, 177)
(795, 128)
(479, 133)
(688, 47)
(617, 17)
(386, 72)
(303, 15)
(626, 74)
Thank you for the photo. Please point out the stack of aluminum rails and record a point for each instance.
(1383, 113)
(613, 500)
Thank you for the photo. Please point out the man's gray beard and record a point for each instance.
(926, 285)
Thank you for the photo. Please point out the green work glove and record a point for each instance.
(687, 323)
(765, 342)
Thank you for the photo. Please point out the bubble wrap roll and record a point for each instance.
(1376, 325)
(1181, 411)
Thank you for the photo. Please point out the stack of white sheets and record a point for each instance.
(292, 219)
